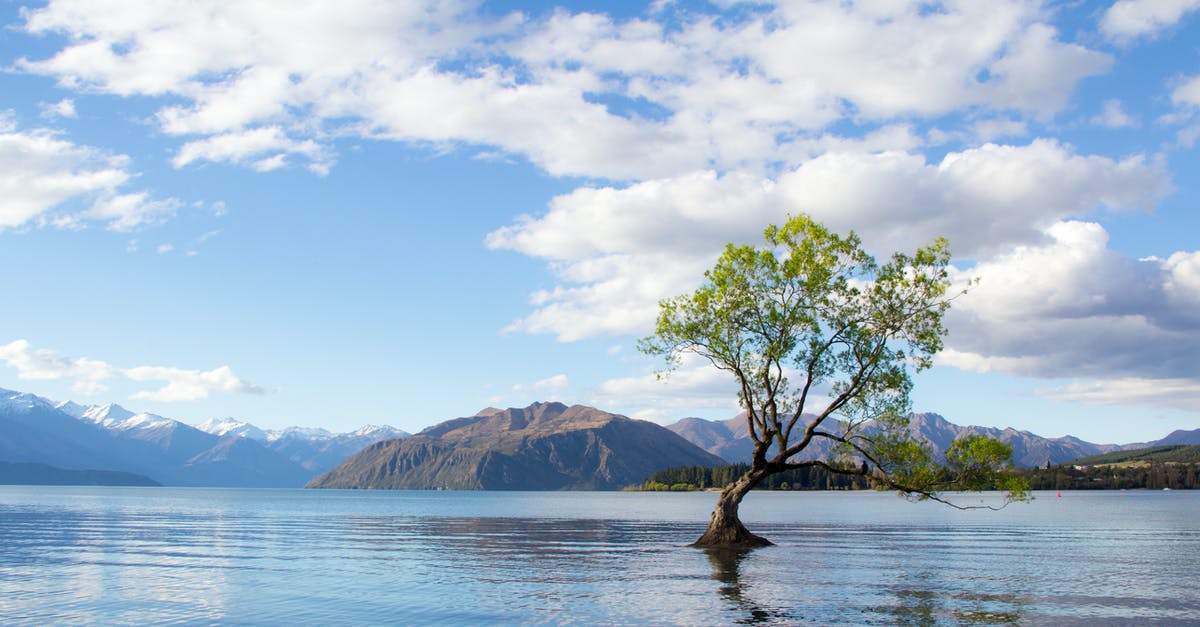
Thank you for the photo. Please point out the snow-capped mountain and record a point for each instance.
(105, 415)
(71, 408)
(383, 432)
(109, 437)
(21, 402)
(314, 449)
(301, 433)
(233, 426)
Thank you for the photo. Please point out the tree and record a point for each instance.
(811, 318)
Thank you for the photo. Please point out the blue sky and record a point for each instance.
(343, 213)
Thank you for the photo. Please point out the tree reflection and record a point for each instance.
(926, 606)
(727, 564)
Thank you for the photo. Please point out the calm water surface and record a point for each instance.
(165, 555)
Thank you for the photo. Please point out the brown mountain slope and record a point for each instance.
(546, 446)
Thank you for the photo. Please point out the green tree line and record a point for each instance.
(702, 478)
(1144, 475)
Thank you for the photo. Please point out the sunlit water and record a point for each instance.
(162, 555)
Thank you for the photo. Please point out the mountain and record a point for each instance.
(546, 446)
(112, 438)
(25, 473)
(313, 449)
(1167, 453)
(231, 426)
(34, 430)
(1178, 437)
(721, 438)
(730, 439)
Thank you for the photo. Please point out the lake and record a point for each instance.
(88, 555)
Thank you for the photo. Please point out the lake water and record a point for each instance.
(165, 555)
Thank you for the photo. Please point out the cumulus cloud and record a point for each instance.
(692, 129)
(618, 251)
(87, 375)
(579, 94)
(1124, 331)
(47, 180)
(188, 385)
(694, 385)
(1072, 308)
(1129, 19)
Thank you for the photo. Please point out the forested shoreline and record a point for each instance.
(1153, 475)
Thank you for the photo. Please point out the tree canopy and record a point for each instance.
(822, 341)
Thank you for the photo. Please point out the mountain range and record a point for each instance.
(543, 446)
(222, 453)
(546, 446)
(730, 440)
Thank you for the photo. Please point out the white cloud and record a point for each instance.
(1186, 97)
(46, 180)
(1133, 392)
(163, 249)
(87, 375)
(994, 129)
(39, 171)
(694, 385)
(1114, 116)
(64, 108)
(578, 94)
(618, 251)
(553, 388)
(188, 385)
(1187, 92)
(1129, 19)
(549, 385)
(127, 212)
(1182, 283)
(264, 149)
(1071, 308)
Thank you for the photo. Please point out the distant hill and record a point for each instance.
(1179, 453)
(1178, 436)
(546, 446)
(41, 474)
(730, 439)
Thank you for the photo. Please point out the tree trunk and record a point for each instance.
(725, 529)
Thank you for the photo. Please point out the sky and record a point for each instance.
(331, 214)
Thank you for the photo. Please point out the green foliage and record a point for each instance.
(974, 461)
(656, 485)
(811, 310)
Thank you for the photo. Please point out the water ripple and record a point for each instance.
(132, 556)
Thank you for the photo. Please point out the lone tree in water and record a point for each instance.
(812, 318)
